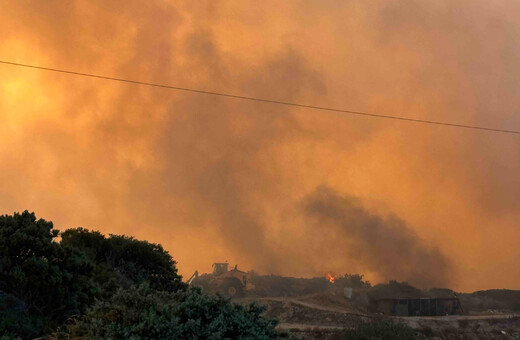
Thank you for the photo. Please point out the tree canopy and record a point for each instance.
(144, 313)
(126, 260)
(46, 278)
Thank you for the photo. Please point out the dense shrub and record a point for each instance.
(144, 313)
(43, 283)
(353, 280)
(50, 281)
(381, 330)
(125, 261)
(14, 319)
(498, 299)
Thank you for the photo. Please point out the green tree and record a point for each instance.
(50, 281)
(144, 313)
(125, 260)
(354, 281)
(15, 322)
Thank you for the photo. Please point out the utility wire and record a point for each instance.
(178, 88)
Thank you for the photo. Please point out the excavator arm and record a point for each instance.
(194, 276)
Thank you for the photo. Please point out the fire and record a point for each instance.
(330, 277)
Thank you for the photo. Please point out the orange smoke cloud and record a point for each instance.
(214, 179)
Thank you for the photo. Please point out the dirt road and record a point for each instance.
(313, 305)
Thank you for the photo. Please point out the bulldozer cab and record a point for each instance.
(219, 268)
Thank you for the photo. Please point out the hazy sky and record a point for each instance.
(272, 188)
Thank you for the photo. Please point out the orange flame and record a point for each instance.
(330, 277)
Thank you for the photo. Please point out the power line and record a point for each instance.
(178, 88)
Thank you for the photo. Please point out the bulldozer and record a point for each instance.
(230, 283)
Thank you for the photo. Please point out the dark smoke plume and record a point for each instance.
(383, 244)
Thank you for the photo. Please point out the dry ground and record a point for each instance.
(326, 315)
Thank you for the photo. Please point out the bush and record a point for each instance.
(44, 283)
(381, 330)
(125, 261)
(353, 280)
(144, 313)
(49, 281)
(14, 319)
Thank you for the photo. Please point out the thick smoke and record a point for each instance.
(382, 244)
(217, 179)
(220, 156)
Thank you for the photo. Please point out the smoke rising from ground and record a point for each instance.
(383, 244)
(215, 179)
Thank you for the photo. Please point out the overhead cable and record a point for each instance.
(263, 100)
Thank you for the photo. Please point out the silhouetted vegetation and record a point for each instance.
(105, 287)
(141, 312)
(353, 280)
(493, 299)
(42, 281)
(122, 261)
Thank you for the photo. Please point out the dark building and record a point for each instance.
(419, 306)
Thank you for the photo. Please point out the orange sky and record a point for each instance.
(276, 189)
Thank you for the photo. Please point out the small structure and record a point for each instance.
(426, 306)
